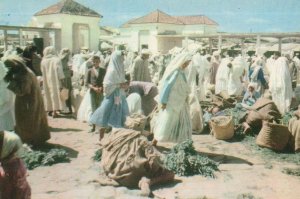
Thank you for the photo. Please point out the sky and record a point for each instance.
(231, 15)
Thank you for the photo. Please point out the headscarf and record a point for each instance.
(15, 65)
(49, 52)
(11, 144)
(115, 73)
(176, 63)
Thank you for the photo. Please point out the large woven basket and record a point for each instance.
(222, 127)
(273, 136)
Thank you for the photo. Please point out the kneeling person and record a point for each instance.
(131, 160)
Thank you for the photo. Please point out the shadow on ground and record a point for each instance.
(63, 130)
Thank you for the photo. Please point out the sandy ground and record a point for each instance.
(241, 173)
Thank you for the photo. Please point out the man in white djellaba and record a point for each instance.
(53, 77)
(140, 67)
(223, 75)
(280, 84)
(236, 71)
(202, 64)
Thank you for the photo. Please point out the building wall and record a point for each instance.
(135, 35)
(166, 44)
(65, 22)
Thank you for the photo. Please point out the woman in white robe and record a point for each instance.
(281, 85)
(222, 76)
(173, 122)
(7, 119)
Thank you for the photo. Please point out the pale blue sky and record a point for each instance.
(232, 15)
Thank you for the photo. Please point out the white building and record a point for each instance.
(160, 32)
(79, 25)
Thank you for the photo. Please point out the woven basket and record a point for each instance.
(222, 127)
(273, 136)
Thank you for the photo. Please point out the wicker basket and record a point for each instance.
(222, 127)
(273, 136)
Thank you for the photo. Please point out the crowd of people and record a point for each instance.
(122, 92)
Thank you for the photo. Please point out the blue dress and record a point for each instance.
(112, 112)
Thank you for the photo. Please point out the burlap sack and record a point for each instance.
(273, 136)
(254, 119)
(267, 109)
(136, 122)
(222, 127)
(294, 128)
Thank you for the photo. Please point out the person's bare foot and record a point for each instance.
(101, 133)
(246, 128)
(55, 115)
(144, 185)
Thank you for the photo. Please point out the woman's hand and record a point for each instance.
(2, 172)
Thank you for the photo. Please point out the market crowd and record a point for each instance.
(136, 100)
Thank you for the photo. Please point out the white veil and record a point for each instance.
(174, 65)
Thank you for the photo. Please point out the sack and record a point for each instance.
(64, 94)
(222, 127)
(136, 122)
(294, 128)
(273, 136)
(254, 119)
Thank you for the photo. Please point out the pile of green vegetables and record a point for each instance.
(47, 157)
(184, 160)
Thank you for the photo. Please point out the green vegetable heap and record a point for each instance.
(37, 158)
(184, 160)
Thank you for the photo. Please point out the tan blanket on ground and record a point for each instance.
(127, 156)
(294, 128)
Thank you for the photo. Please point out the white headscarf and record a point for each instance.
(115, 74)
(49, 52)
(11, 143)
(176, 63)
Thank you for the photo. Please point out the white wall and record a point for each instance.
(65, 22)
(134, 39)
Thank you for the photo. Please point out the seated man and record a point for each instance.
(130, 159)
(250, 96)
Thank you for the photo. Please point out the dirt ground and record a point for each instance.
(243, 174)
